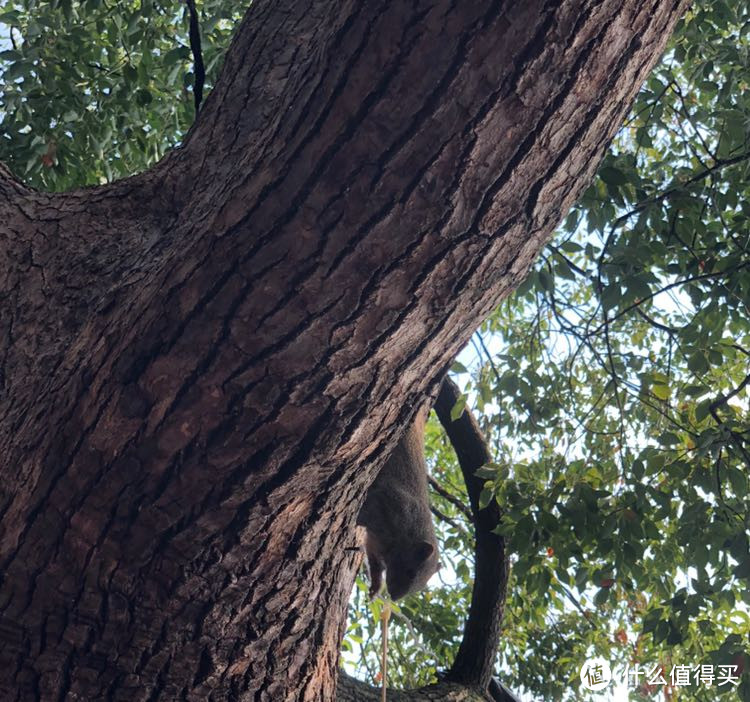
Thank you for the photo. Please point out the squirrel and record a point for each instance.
(400, 537)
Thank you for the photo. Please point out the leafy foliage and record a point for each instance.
(612, 386)
(94, 90)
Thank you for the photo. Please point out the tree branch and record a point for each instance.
(475, 660)
(199, 70)
(458, 504)
(499, 693)
(352, 690)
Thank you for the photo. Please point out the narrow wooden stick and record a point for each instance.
(384, 617)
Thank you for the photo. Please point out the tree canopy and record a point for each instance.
(612, 386)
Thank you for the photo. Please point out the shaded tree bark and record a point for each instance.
(202, 366)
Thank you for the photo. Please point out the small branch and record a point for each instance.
(737, 439)
(654, 323)
(725, 398)
(443, 517)
(669, 286)
(702, 175)
(577, 604)
(458, 504)
(720, 490)
(199, 70)
(487, 353)
(568, 262)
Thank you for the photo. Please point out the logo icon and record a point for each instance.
(595, 674)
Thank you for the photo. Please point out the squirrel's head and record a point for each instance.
(409, 570)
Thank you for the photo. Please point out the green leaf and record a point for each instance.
(660, 391)
(459, 408)
(487, 471)
(612, 176)
(611, 296)
(702, 410)
(697, 363)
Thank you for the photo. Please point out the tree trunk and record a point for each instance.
(202, 366)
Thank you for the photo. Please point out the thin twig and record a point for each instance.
(460, 506)
(199, 70)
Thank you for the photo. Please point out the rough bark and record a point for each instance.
(351, 690)
(202, 366)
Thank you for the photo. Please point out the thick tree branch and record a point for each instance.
(351, 690)
(499, 693)
(475, 660)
